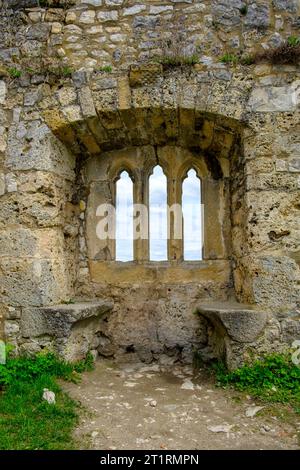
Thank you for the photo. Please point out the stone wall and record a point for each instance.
(65, 120)
(97, 33)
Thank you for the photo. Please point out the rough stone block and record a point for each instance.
(2, 184)
(232, 330)
(274, 99)
(32, 146)
(258, 15)
(86, 102)
(71, 327)
(2, 92)
(23, 242)
(242, 323)
(144, 75)
(290, 6)
(33, 282)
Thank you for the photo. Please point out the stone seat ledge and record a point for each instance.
(75, 312)
(242, 323)
(58, 320)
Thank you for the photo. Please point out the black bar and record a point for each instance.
(137, 458)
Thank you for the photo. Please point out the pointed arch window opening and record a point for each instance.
(192, 217)
(124, 218)
(158, 215)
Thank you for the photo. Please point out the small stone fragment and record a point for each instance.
(253, 410)
(221, 428)
(187, 385)
(49, 396)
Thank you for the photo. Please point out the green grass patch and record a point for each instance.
(229, 59)
(105, 68)
(14, 72)
(64, 71)
(293, 41)
(247, 60)
(273, 379)
(26, 420)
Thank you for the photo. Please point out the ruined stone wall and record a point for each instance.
(64, 111)
(96, 33)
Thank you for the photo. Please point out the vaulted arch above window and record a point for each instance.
(124, 218)
(192, 217)
(158, 215)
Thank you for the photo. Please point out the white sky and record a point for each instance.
(191, 206)
(158, 215)
(124, 218)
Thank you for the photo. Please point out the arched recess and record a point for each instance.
(110, 129)
(206, 141)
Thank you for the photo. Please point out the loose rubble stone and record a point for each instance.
(49, 396)
(221, 428)
(253, 410)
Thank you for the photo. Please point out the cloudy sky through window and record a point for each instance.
(124, 218)
(191, 208)
(158, 215)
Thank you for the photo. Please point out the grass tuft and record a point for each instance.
(247, 60)
(14, 72)
(105, 68)
(178, 60)
(229, 59)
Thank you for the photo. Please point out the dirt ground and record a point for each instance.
(138, 406)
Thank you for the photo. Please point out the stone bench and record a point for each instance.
(72, 328)
(233, 328)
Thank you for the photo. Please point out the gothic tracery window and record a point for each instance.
(157, 220)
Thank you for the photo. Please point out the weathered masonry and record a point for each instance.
(81, 100)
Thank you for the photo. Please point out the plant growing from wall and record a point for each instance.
(14, 72)
(51, 68)
(180, 60)
(105, 68)
(287, 53)
(175, 47)
(63, 71)
(247, 60)
(228, 58)
(293, 41)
